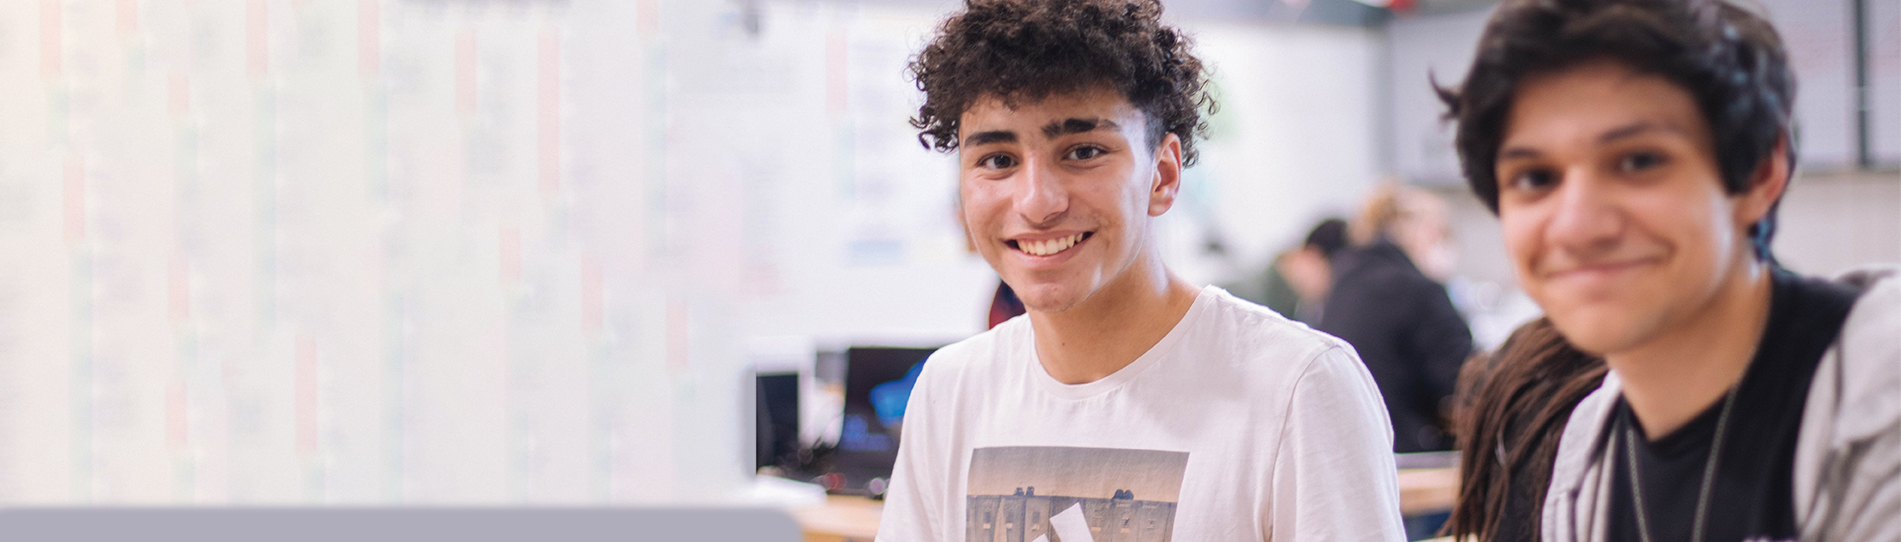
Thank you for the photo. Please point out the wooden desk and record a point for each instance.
(853, 519)
(1428, 490)
(840, 519)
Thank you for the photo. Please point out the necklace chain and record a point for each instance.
(1709, 471)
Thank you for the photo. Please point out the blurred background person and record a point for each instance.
(1387, 304)
(1296, 283)
(1308, 270)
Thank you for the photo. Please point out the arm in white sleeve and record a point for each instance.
(915, 499)
(1333, 476)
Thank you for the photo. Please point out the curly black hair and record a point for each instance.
(1729, 60)
(1027, 50)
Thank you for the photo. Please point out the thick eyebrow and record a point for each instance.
(1626, 131)
(1077, 126)
(1636, 128)
(985, 138)
(1513, 153)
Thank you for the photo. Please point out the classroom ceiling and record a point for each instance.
(1449, 6)
(1328, 12)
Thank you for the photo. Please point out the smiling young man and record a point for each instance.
(1127, 404)
(1635, 151)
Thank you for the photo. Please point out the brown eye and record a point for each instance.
(1639, 161)
(997, 161)
(1085, 152)
(1533, 180)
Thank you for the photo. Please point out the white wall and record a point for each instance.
(444, 252)
(1884, 80)
(863, 247)
(855, 238)
(1829, 223)
(1295, 140)
(1440, 46)
(1820, 43)
(1817, 34)
(365, 252)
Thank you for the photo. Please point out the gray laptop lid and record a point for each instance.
(404, 524)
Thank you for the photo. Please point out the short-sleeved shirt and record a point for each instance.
(1238, 425)
(1751, 492)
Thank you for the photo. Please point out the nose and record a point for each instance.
(1587, 219)
(1041, 197)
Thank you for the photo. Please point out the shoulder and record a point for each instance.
(1571, 497)
(1583, 431)
(1852, 421)
(1337, 371)
(978, 354)
(1276, 359)
(964, 373)
(1877, 313)
(1869, 354)
(1252, 333)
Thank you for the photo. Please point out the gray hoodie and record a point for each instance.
(1848, 451)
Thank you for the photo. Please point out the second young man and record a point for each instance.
(1635, 151)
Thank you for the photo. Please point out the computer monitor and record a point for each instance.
(867, 443)
(778, 420)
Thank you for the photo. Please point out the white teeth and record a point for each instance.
(1052, 246)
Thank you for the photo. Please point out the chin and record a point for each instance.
(1049, 297)
(1601, 332)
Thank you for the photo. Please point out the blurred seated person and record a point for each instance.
(1308, 270)
(1297, 282)
(1386, 302)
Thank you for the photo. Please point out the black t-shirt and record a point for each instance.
(1752, 494)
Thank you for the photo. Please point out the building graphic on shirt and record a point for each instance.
(1069, 494)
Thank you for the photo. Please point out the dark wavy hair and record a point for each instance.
(1512, 408)
(1027, 50)
(1729, 60)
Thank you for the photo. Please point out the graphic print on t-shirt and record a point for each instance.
(1066, 494)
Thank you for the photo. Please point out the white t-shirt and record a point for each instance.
(1238, 425)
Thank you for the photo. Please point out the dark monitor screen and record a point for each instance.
(778, 420)
(867, 447)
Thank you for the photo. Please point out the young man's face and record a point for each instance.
(1058, 194)
(1612, 205)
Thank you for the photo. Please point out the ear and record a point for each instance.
(1168, 175)
(1766, 186)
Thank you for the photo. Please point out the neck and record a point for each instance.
(1672, 378)
(1115, 326)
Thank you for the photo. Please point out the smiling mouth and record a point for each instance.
(1601, 269)
(1048, 247)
